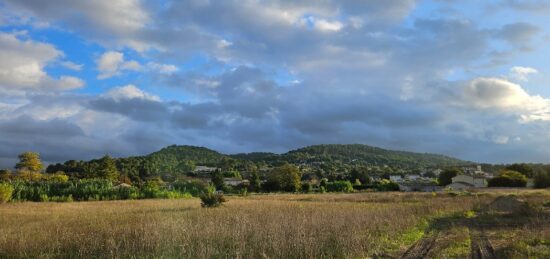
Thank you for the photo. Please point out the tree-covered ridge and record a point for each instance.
(358, 153)
(177, 160)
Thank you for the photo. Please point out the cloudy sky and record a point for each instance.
(466, 78)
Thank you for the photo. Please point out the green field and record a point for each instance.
(277, 226)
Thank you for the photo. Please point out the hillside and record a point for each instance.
(178, 160)
(357, 153)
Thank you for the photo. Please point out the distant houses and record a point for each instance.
(463, 181)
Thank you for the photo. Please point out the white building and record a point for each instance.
(396, 178)
(461, 182)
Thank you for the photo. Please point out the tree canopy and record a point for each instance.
(29, 161)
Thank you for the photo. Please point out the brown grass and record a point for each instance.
(273, 226)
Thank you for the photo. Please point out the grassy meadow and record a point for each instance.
(266, 226)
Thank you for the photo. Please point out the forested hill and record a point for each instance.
(182, 159)
(357, 153)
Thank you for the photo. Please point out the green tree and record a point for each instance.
(285, 178)
(217, 180)
(508, 178)
(29, 161)
(255, 183)
(523, 168)
(107, 168)
(445, 177)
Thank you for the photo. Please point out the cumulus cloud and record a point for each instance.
(111, 63)
(23, 62)
(373, 72)
(129, 92)
(522, 73)
(503, 95)
(110, 22)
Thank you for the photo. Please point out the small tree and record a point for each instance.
(211, 198)
(29, 161)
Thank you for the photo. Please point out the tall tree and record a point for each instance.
(286, 178)
(217, 180)
(29, 161)
(107, 168)
(255, 183)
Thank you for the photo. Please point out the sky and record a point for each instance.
(465, 78)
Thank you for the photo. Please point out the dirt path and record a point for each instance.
(421, 248)
(480, 245)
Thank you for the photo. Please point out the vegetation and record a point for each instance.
(211, 198)
(508, 178)
(29, 161)
(445, 177)
(284, 178)
(542, 179)
(6, 191)
(358, 225)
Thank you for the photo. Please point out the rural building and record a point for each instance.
(396, 178)
(204, 169)
(461, 182)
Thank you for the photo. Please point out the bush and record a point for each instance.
(6, 191)
(386, 185)
(339, 186)
(211, 198)
(508, 178)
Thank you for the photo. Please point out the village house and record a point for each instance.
(204, 169)
(462, 182)
(396, 178)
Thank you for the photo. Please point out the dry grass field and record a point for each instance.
(264, 226)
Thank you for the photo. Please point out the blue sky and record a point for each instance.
(79, 79)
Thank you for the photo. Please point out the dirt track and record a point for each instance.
(481, 248)
(422, 247)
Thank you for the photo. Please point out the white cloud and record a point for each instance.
(321, 24)
(522, 73)
(111, 63)
(505, 96)
(72, 66)
(129, 92)
(162, 68)
(22, 64)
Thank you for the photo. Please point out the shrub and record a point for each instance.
(386, 185)
(508, 178)
(211, 198)
(6, 190)
(339, 186)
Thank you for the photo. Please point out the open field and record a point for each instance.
(276, 226)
